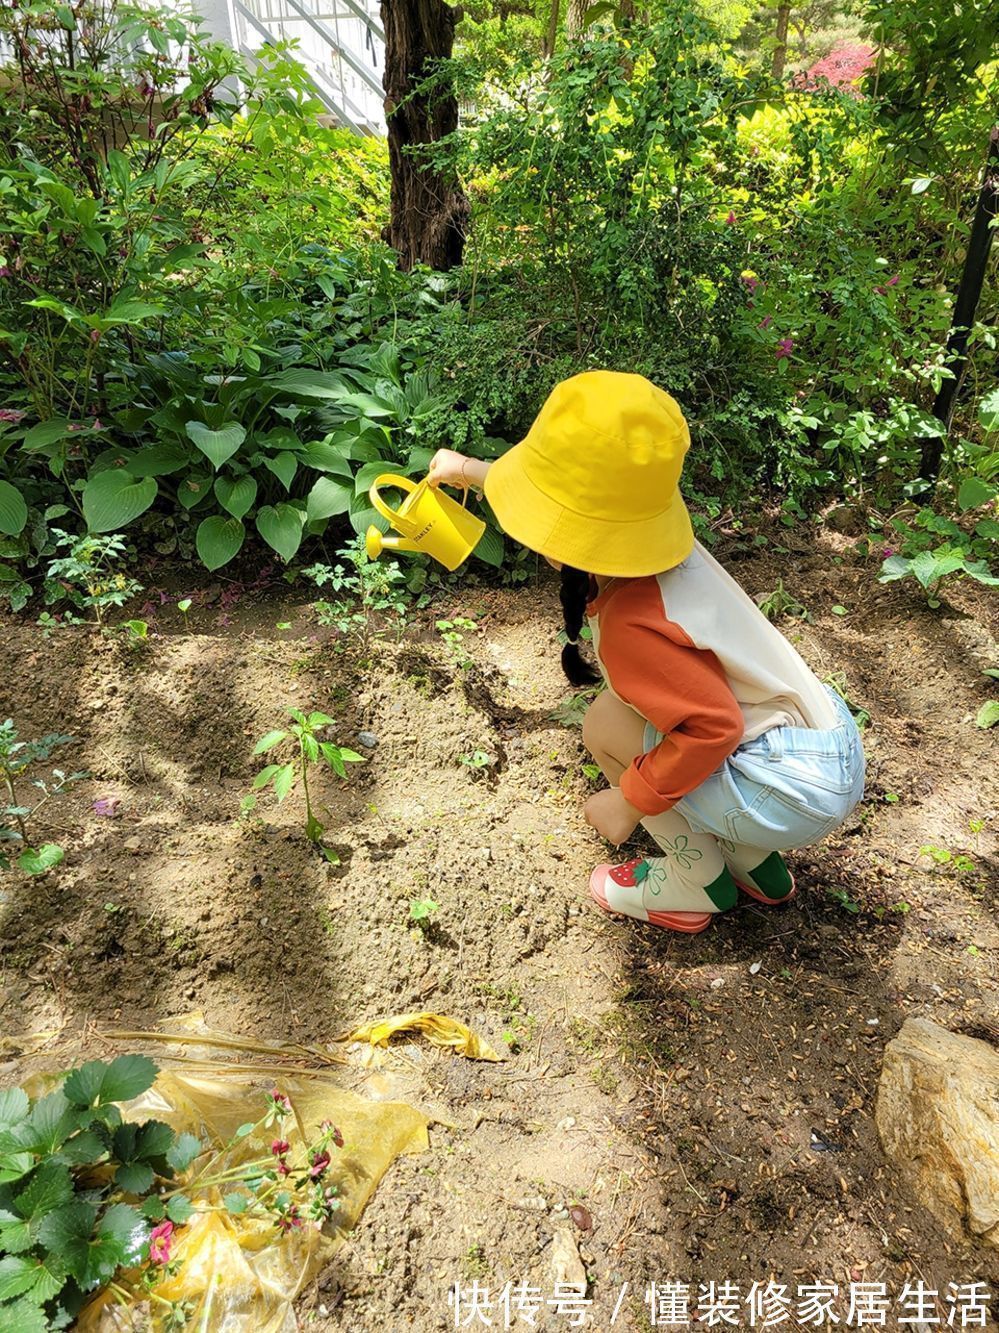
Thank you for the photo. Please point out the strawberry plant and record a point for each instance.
(308, 749)
(82, 1191)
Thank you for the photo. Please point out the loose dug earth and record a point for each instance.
(708, 1100)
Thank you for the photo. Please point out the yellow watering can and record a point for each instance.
(429, 521)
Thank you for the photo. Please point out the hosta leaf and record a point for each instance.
(218, 540)
(112, 499)
(217, 445)
(328, 497)
(326, 457)
(284, 466)
(183, 1152)
(13, 510)
(192, 490)
(158, 460)
(236, 494)
(309, 384)
(96, 1082)
(490, 548)
(281, 528)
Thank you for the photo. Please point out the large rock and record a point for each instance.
(938, 1117)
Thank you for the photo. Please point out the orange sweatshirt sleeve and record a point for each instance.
(682, 690)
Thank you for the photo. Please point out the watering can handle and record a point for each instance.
(392, 482)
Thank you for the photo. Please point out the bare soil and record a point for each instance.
(708, 1101)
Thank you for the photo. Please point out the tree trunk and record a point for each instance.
(548, 50)
(429, 216)
(780, 50)
(575, 17)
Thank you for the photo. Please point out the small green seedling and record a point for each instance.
(845, 901)
(422, 912)
(780, 603)
(837, 681)
(16, 758)
(453, 633)
(591, 771)
(570, 712)
(282, 777)
(988, 715)
(183, 606)
(943, 857)
(477, 760)
(136, 632)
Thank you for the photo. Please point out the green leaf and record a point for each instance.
(309, 384)
(973, 493)
(490, 548)
(263, 777)
(14, 1107)
(112, 499)
(45, 434)
(988, 714)
(13, 510)
(216, 445)
(40, 1278)
(23, 1317)
(269, 741)
(325, 456)
(281, 528)
(153, 1209)
(184, 1151)
(236, 1203)
(921, 184)
(67, 1232)
(987, 528)
(236, 495)
(95, 1083)
(284, 466)
(283, 781)
(218, 540)
(988, 411)
(328, 498)
(192, 490)
(158, 460)
(37, 861)
(134, 1177)
(50, 1187)
(981, 573)
(179, 1209)
(82, 1149)
(132, 312)
(15, 1237)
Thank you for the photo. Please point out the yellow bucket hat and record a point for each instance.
(594, 482)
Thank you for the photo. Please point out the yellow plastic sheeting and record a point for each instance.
(438, 1029)
(239, 1273)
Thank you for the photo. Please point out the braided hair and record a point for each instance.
(574, 594)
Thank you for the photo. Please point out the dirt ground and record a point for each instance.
(705, 1103)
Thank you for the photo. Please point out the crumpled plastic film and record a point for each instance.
(239, 1274)
(438, 1029)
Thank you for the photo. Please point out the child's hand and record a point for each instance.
(612, 816)
(447, 469)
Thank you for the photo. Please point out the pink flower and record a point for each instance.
(12, 415)
(280, 1147)
(751, 282)
(282, 1167)
(327, 1126)
(98, 424)
(107, 807)
(159, 1243)
(280, 1102)
(766, 321)
(888, 551)
(784, 348)
(730, 220)
(318, 1164)
(5, 272)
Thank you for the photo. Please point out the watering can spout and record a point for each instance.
(429, 521)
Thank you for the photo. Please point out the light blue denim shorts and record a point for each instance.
(786, 789)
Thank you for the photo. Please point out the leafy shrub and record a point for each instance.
(19, 761)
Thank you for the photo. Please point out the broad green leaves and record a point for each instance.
(281, 527)
(112, 499)
(39, 860)
(236, 495)
(218, 540)
(216, 445)
(13, 510)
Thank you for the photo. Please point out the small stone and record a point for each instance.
(132, 844)
(565, 1125)
(368, 739)
(560, 1215)
(532, 1203)
(567, 1267)
(717, 983)
(581, 1217)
